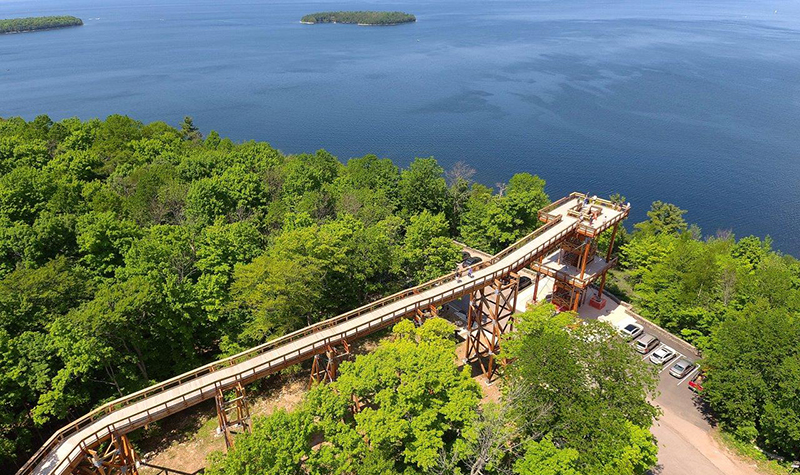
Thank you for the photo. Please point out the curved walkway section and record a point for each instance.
(63, 450)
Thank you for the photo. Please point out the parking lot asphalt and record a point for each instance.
(674, 393)
(683, 432)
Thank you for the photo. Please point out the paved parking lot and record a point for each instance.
(685, 444)
(675, 393)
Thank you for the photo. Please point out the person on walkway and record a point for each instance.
(469, 272)
(458, 273)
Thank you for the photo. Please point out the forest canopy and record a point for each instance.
(201, 245)
(19, 25)
(360, 18)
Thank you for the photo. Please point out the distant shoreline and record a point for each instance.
(38, 29)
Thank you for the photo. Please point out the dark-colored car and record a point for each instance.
(524, 282)
(471, 261)
(465, 255)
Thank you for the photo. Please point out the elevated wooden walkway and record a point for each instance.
(65, 449)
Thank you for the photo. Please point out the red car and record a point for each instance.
(696, 384)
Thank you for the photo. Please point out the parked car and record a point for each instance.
(631, 331)
(524, 281)
(646, 343)
(471, 261)
(696, 384)
(662, 355)
(465, 255)
(681, 368)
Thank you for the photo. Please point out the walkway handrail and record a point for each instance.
(125, 401)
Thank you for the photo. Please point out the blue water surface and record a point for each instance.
(696, 103)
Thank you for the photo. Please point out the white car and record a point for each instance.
(631, 331)
(662, 355)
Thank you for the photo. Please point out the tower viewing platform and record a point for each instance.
(576, 265)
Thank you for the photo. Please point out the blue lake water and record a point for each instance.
(696, 103)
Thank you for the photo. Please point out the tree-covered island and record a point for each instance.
(21, 25)
(360, 18)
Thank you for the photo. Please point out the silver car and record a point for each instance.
(681, 368)
(645, 343)
(662, 355)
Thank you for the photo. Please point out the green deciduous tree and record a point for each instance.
(663, 218)
(427, 251)
(493, 222)
(544, 458)
(422, 187)
(278, 294)
(103, 239)
(753, 371)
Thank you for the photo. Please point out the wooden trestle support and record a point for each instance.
(115, 457)
(325, 366)
(424, 314)
(233, 415)
(491, 314)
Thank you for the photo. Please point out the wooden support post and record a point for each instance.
(233, 415)
(585, 257)
(608, 259)
(325, 366)
(602, 286)
(611, 244)
(116, 457)
(538, 275)
(491, 314)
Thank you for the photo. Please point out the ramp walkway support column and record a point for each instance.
(491, 315)
(325, 366)
(115, 457)
(233, 414)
